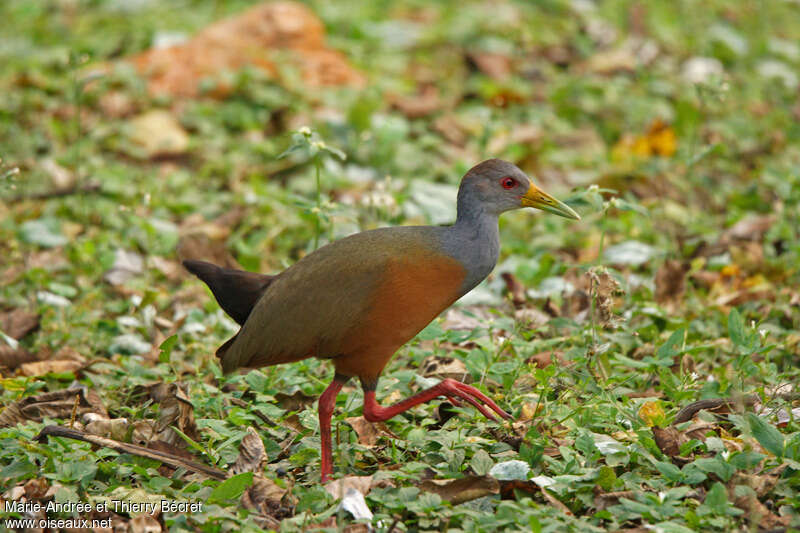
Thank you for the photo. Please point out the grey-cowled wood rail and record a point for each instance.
(359, 299)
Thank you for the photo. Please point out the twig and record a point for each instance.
(123, 447)
(59, 193)
(688, 412)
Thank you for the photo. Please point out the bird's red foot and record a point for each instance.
(454, 390)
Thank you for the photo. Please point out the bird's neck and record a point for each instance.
(474, 240)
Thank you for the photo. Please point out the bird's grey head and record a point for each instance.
(496, 186)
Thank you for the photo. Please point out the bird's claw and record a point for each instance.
(456, 390)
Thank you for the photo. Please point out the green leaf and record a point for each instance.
(606, 478)
(736, 328)
(166, 348)
(231, 488)
(669, 471)
(671, 348)
(481, 462)
(717, 498)
(715, 465)
(766, 434)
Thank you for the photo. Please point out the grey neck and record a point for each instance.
(474, 240)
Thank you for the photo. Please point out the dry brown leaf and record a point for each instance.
(531, 318)
(176, 410)
(457, 318)
(116, 104)
(36, 488)
(200, 247)
(250, 38)
(516, 288)
(252, 455)
(419, 105)
(759, 514)
(669, 440)
(18, 322)
(264, 495)
(51, 366)
(604, 500)
(462, 490)
(369, 432)
(338, 487)
(496, 66)
(114, 428)
(159, 134)
(451, 128)
(660, 140)
(555, 502)
(144, 523)
(57, 404)
(294, 402)
(604, 288)
(545, 359)
(445, 367)
(671, 282)
(12, 358)
(750, 228)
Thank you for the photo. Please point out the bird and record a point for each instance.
(357, 300)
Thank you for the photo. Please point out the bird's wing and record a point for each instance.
(309, 309)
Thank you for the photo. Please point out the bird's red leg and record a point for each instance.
(327, 401)
(449, 387)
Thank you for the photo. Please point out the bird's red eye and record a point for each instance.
(508, 182)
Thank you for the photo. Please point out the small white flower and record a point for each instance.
(694, 376)
(763, 332)
(305, 130)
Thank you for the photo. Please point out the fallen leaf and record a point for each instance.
(355, 504)
(750, 228)
(515, 288)
(61, 178)
(604, 289)
(18, 322)
(253, 38)
(175, 410)
(127, 265)
(51, 366)
(339, 487)
(12, 358)
(369, 432)
(702, 69)
(514, 469)
(263, 496)
(419, 105)
(158, 134)
(546, 358)
(652, 414)
(531, 318)
(57, 404)
(671, 282)
(294, 402)
(660, 140)
(444, 368)
(144, 523)
(463, 489)
(200, 247)
(496, 66)
(252, 455)
(669, 440)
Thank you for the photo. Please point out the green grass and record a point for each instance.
(564, 116)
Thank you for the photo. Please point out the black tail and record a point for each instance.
(236, 291)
